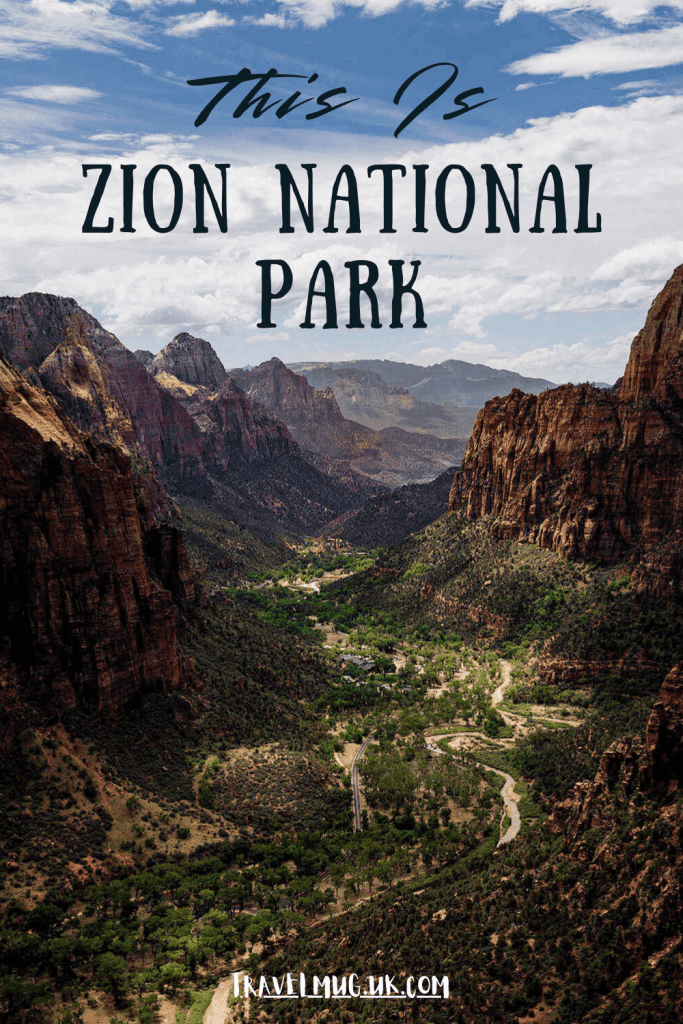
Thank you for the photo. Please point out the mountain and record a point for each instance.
(89, 578)
(190, 359)
(441, 399)
(101, 385)
(590, 473)
(224, 449)
(365, 397)
(392, 455)
(387, 519)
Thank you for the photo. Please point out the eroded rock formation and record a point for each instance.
(630, 766)
(586, 472)
(103, 388)
(88, 577)
(190, 359)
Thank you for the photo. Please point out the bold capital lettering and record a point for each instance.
(493, 185)
(400, 289)
(128, 197)
(351, 199)
(557, 198)
(440, 196)
(356, 288)
(327, 294)
(201, 185)
(387, 173)
(287, 186)
(148, 198)
(584, 188)
(88, 226)
(420, 196)
(267, 293)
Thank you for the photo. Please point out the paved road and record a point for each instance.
(355, 786)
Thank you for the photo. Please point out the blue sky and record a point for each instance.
(89, 81)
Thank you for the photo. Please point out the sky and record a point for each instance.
(105, 82)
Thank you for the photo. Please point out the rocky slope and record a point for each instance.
(212, 444)
(88, 577)
(365, 397)
(387, 519)
(591, 473)
(392, 455)
(651, 767)
(100, 384)
(190, 359)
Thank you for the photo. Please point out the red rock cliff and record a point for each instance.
(87, 578)
(630, 766)
(584, 472)
(288, 395)
(99, 383)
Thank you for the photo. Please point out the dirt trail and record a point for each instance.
(510, 807)
(218, 1011)
(497, 695)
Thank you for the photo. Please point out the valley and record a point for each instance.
(271, 703)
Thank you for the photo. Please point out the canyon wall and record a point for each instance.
(590, 473)
(88, 578)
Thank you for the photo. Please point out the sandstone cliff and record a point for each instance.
(100, 384)
(630, 766)
(289, 395)
(88, 578)
(590, 473)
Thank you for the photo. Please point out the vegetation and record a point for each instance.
(211, 830)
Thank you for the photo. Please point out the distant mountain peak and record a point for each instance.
(190, 359)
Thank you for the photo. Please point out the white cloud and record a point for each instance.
(611, 54)
(141, 5)
(184, 25)
(317, 13)
(31, 28)
(621, 12)
(644, 83)
(54, 93)
(269, 20)
(145, 282)
(581, 361)
(647, 262)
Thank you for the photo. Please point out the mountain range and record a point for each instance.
(442, 399)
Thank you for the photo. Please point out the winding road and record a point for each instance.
(509, 797)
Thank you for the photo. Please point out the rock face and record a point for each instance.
(392, 455)
(88, 577)
(144, 356)
(237, 429)
(288, 395)
(630, 766)
(585, 472)
(214, 444)
(100, 384)
(190, 359)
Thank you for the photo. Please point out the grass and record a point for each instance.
(195, 1014)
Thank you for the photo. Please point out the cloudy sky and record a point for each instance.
(106, 81)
